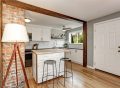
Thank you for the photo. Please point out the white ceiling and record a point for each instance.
(81, 9)
(49, 21)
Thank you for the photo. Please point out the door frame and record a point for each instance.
(54, 14)
(109, 20)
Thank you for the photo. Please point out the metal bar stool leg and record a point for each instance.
(47, 76)
(53, 76)
(54, 67)
(68, 73)
(59, 71)
(59, 68)
(56, 70)
(65, 68)
(71, 72)
(56, 73)
(43, 74)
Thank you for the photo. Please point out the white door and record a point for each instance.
(106, 46)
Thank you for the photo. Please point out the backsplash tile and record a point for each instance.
(50, 44)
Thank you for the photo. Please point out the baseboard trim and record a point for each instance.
(77, 62)
(90, 67)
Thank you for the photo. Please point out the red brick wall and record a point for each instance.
(12, 15)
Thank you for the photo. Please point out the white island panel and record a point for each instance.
(38, 62)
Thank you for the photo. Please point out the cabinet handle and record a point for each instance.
(118, 50)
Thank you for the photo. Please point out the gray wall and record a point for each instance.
(91, 36)
(77, 46)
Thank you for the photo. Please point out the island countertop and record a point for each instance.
(48, 51)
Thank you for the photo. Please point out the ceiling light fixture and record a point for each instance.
(27, 20)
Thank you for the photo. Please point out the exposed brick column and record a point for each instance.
(12, 14)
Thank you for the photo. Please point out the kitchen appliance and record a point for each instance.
(28, 58)
(35, 46)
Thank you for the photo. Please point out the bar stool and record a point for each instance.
(66, 72)
(49, 62)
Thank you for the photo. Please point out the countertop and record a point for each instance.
(53, 48)
(48, 51)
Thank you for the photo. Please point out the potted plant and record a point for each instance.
(65, 45)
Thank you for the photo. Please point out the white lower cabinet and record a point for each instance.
(38, 62)
(76, 55)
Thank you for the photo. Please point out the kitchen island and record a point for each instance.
(38, 58)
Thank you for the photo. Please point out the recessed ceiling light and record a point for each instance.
(27, 20)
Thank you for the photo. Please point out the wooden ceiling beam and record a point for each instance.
(40, 10)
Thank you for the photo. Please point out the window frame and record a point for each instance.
(74, 32)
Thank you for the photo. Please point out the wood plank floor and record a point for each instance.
(83, 78)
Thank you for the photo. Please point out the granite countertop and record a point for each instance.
(48, 51)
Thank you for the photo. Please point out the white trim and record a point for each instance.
(77, 62)
(90, 67)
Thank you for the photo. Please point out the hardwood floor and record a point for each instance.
(83, 78)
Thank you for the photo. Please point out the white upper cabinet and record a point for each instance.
(39, 33)
(36, 35)
(46, 34)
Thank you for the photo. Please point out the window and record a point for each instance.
(76, 37)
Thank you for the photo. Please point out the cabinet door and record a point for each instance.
(70, 54)
(75, 55)
(46, 35)
(79, 56)
(37, 35)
